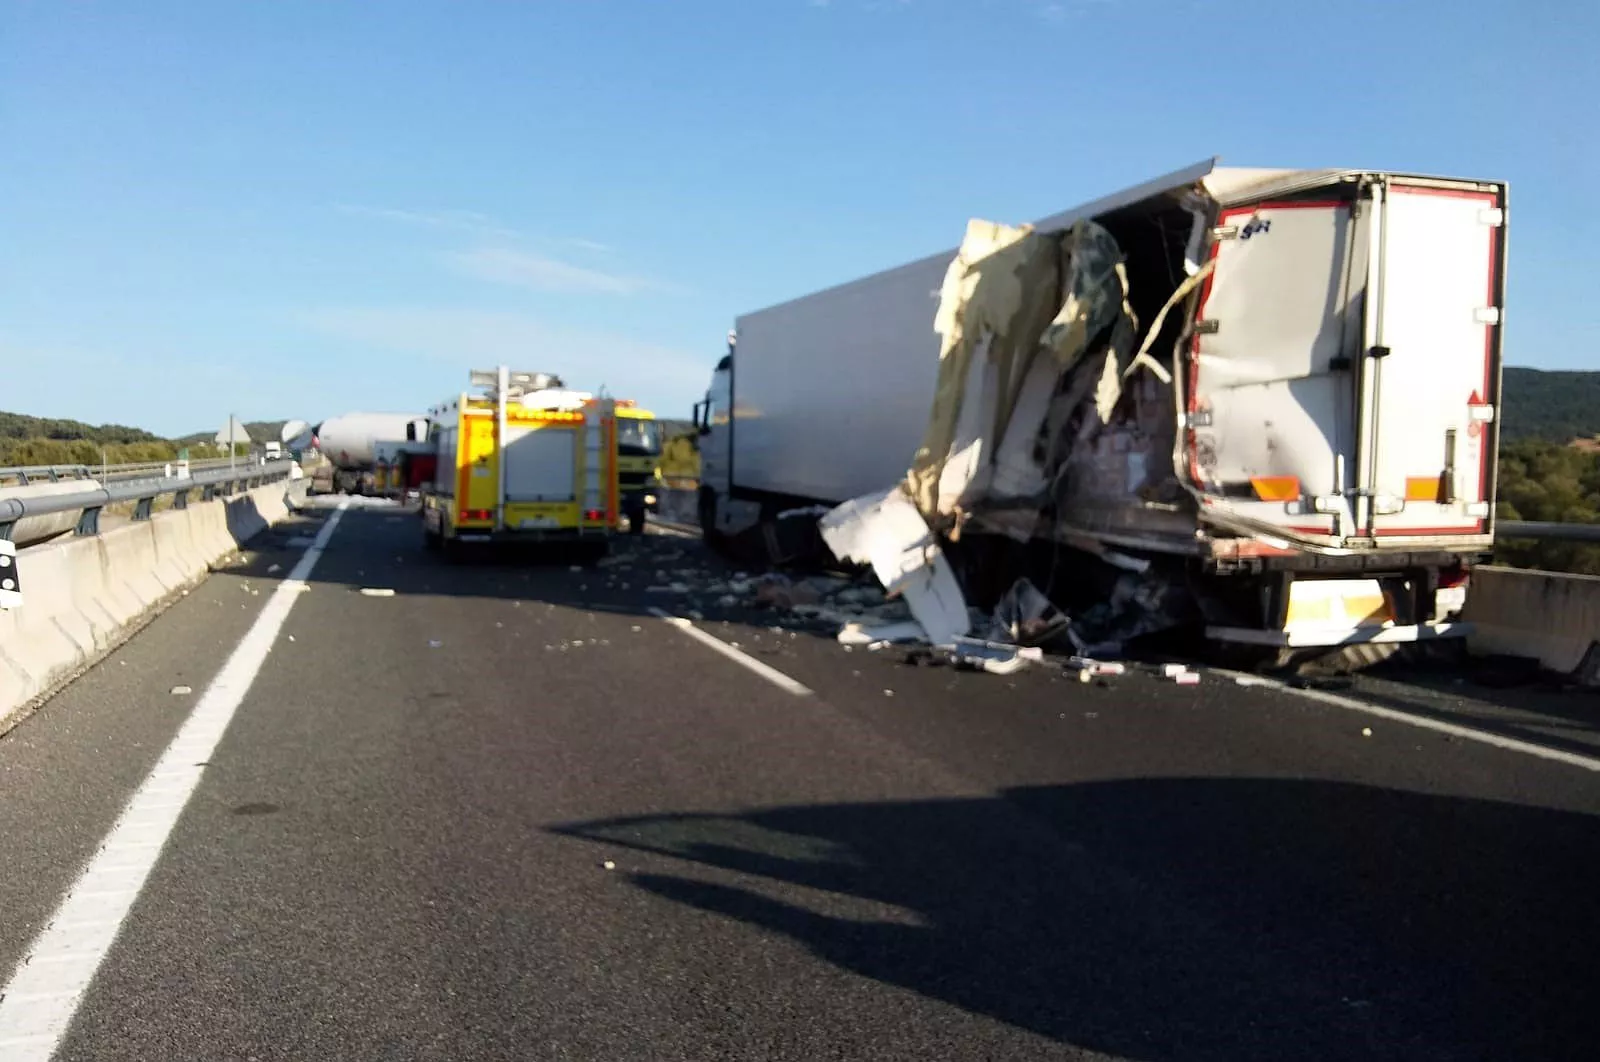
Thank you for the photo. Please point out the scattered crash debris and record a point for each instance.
(1026, 617)
(377, 591)
(997, 658)
(179, 691)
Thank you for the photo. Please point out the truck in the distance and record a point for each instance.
(349, 443)
(1303, 441)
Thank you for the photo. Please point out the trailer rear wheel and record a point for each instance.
(1344, 659)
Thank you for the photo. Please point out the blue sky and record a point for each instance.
(302, 208)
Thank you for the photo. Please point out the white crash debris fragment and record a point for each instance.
(377, 591)
(1097, 667)
(886, 531)
(179, 691)
(862, 634)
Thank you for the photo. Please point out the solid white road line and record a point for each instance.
(1466, 733)
(771, 674)
(37, 1006)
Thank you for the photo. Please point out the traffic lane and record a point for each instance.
(1520, 703)
(67, 770)
(376, 862)
(823, 851)
(1371, 827)
(406, 854)
(1422, 874)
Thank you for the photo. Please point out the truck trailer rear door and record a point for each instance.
(1270, 393)
(1431, 374)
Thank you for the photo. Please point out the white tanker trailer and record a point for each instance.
(349, 442)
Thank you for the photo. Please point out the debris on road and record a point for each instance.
(274, 568)
(376, 591)
(435, 644)
(179, 691)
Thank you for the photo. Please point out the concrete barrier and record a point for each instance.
(1549, 616)
(85, 596)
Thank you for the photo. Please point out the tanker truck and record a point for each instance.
(1259, 403)
(349, 443)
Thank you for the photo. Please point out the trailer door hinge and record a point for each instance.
(1200, 418)
(1487, 315)
(1494, 217)
(1225, 232)
(1207, 328)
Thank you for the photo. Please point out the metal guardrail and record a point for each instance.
(143, 493)
(1547, 530)
(25, 475)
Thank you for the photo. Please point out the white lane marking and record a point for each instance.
(1510, 744)
(46, 989)
(771, 674)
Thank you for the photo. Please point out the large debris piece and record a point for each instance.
(1040, 410)
(886, 532)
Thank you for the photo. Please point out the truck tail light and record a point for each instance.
(1276, 488)
(477, 514)
(593, 515)
(1452, 577)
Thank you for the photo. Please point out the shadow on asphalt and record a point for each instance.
(1186, 918)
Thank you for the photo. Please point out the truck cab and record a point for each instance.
(713, 419)
(638, 453)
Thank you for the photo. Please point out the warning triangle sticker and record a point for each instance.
(1475, 400)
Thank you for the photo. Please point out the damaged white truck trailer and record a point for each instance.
(1255, 403)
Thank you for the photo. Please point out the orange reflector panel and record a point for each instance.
(1422, 488)
(1276, 488)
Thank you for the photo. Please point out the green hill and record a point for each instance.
(22, 426)
(1548, 404)
(28, 440)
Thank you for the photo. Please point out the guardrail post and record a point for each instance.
(180, 499)
(208, 492)
(89, 522)
(142, 507)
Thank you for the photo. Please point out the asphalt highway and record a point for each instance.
(510, 812)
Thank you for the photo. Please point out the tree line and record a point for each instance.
(1549, 481)
(26, 440)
